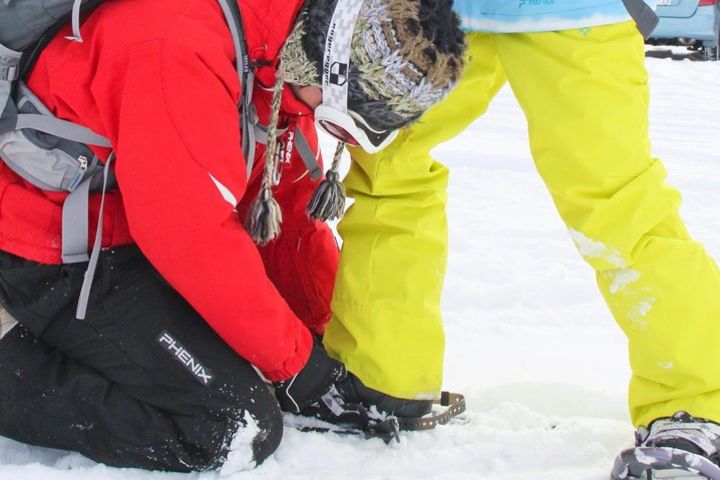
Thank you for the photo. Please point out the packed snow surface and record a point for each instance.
(529, 340)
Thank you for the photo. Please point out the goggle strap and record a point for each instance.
(338, 45)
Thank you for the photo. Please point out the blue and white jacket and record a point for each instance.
(507, 16)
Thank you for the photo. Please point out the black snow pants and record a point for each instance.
(143, 382)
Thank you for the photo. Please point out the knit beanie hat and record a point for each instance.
(406, 55)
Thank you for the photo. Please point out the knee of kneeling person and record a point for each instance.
(269, 425)
(257, 437)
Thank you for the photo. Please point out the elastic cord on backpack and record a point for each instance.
(76, 37)
(97, 245)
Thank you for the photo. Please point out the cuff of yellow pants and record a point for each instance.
(388, 351)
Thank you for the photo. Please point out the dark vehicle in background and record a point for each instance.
(691, 23)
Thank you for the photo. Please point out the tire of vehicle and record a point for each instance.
(712, 54)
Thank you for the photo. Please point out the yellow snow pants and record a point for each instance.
(585, 97)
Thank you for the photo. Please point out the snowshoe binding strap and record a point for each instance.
(680, 447)
(455, 404)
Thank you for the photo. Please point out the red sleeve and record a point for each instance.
(168, 106)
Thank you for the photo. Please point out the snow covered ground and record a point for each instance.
(530, 341)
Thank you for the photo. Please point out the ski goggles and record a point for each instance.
(333, 116)
(351, 128)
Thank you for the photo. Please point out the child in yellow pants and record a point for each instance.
(585, 95)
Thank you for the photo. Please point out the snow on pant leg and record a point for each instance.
(151, 353)
(585, 95)
(387, 326)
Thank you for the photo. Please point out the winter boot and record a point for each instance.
(385, 404)
(680, 447)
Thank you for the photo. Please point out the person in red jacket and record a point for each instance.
(186, 308)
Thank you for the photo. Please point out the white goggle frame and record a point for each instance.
(329, 119)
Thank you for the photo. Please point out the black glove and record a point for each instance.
(312, 382)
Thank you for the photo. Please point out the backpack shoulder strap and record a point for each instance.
(249, 120)
(61, 129)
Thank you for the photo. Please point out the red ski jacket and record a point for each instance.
(157, 79)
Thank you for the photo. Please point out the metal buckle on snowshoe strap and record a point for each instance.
(641, 462)
(455, 404)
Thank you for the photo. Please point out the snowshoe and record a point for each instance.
(681, 447)
(333, 413)
(351, 408)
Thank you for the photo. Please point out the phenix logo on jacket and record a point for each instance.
(508, 16)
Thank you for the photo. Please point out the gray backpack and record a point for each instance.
(53, 154)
